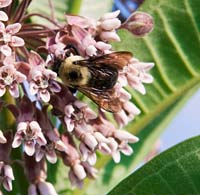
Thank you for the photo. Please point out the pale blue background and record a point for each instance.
(185, 124)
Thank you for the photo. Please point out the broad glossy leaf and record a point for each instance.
(175, 171)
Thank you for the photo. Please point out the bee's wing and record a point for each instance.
(115, 59)
(104, 99)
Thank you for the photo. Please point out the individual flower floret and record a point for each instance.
(77, 113)
(41, 80)
(10, 78)
(29, 133)
(8, 39)
(118, 139)
(6, 174)
(136, 74)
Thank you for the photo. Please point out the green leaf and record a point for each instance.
(175, 171)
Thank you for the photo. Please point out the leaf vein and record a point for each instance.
(153, 52)
(176, 43)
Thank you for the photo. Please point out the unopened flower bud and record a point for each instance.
(79, 171)
(109, 36)
(124, 135)
(46, 188)
(90, 141)
(139, 23)
(110, 15)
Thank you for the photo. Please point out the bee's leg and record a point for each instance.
(72, 90)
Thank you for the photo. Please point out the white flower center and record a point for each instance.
(8, 80)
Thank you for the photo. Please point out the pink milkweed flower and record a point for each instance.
(77, 113)
(129, 110)
(41, 80)
(8, 38)
(29, 133)
(137, 74)
(46, 150)
(107, 25)
(84, 31)
(87, 154)
(6, 174)
(117, 139)
(80, 171)
(10, 78)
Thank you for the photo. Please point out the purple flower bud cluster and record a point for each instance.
(30, 56)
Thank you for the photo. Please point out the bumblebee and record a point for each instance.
(95, 77)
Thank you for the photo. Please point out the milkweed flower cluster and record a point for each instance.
(32, 80)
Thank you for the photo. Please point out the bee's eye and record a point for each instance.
(74, 75)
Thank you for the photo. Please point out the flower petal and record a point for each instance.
(116, 156)
(29, 148)
(5, 3)
(111, 24)
(22, 126)
(6, 50)
(55, 87)
(127, 150)
(110, 15)
(17, 141)
(92, 159)
(33, 88)
(69, 123)
(7, 184)
(44, 95)
(39, 155)
(46, 188)
(109, 36)
(14, 90)
(51, 156)
(41, 139)
(17, 41)
(3, 16)
(32, 190)
(2, 138)
(79, 171)
(8, 172)
(13, 28)
(2, 90)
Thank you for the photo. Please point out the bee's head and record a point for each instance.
(73, 74)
